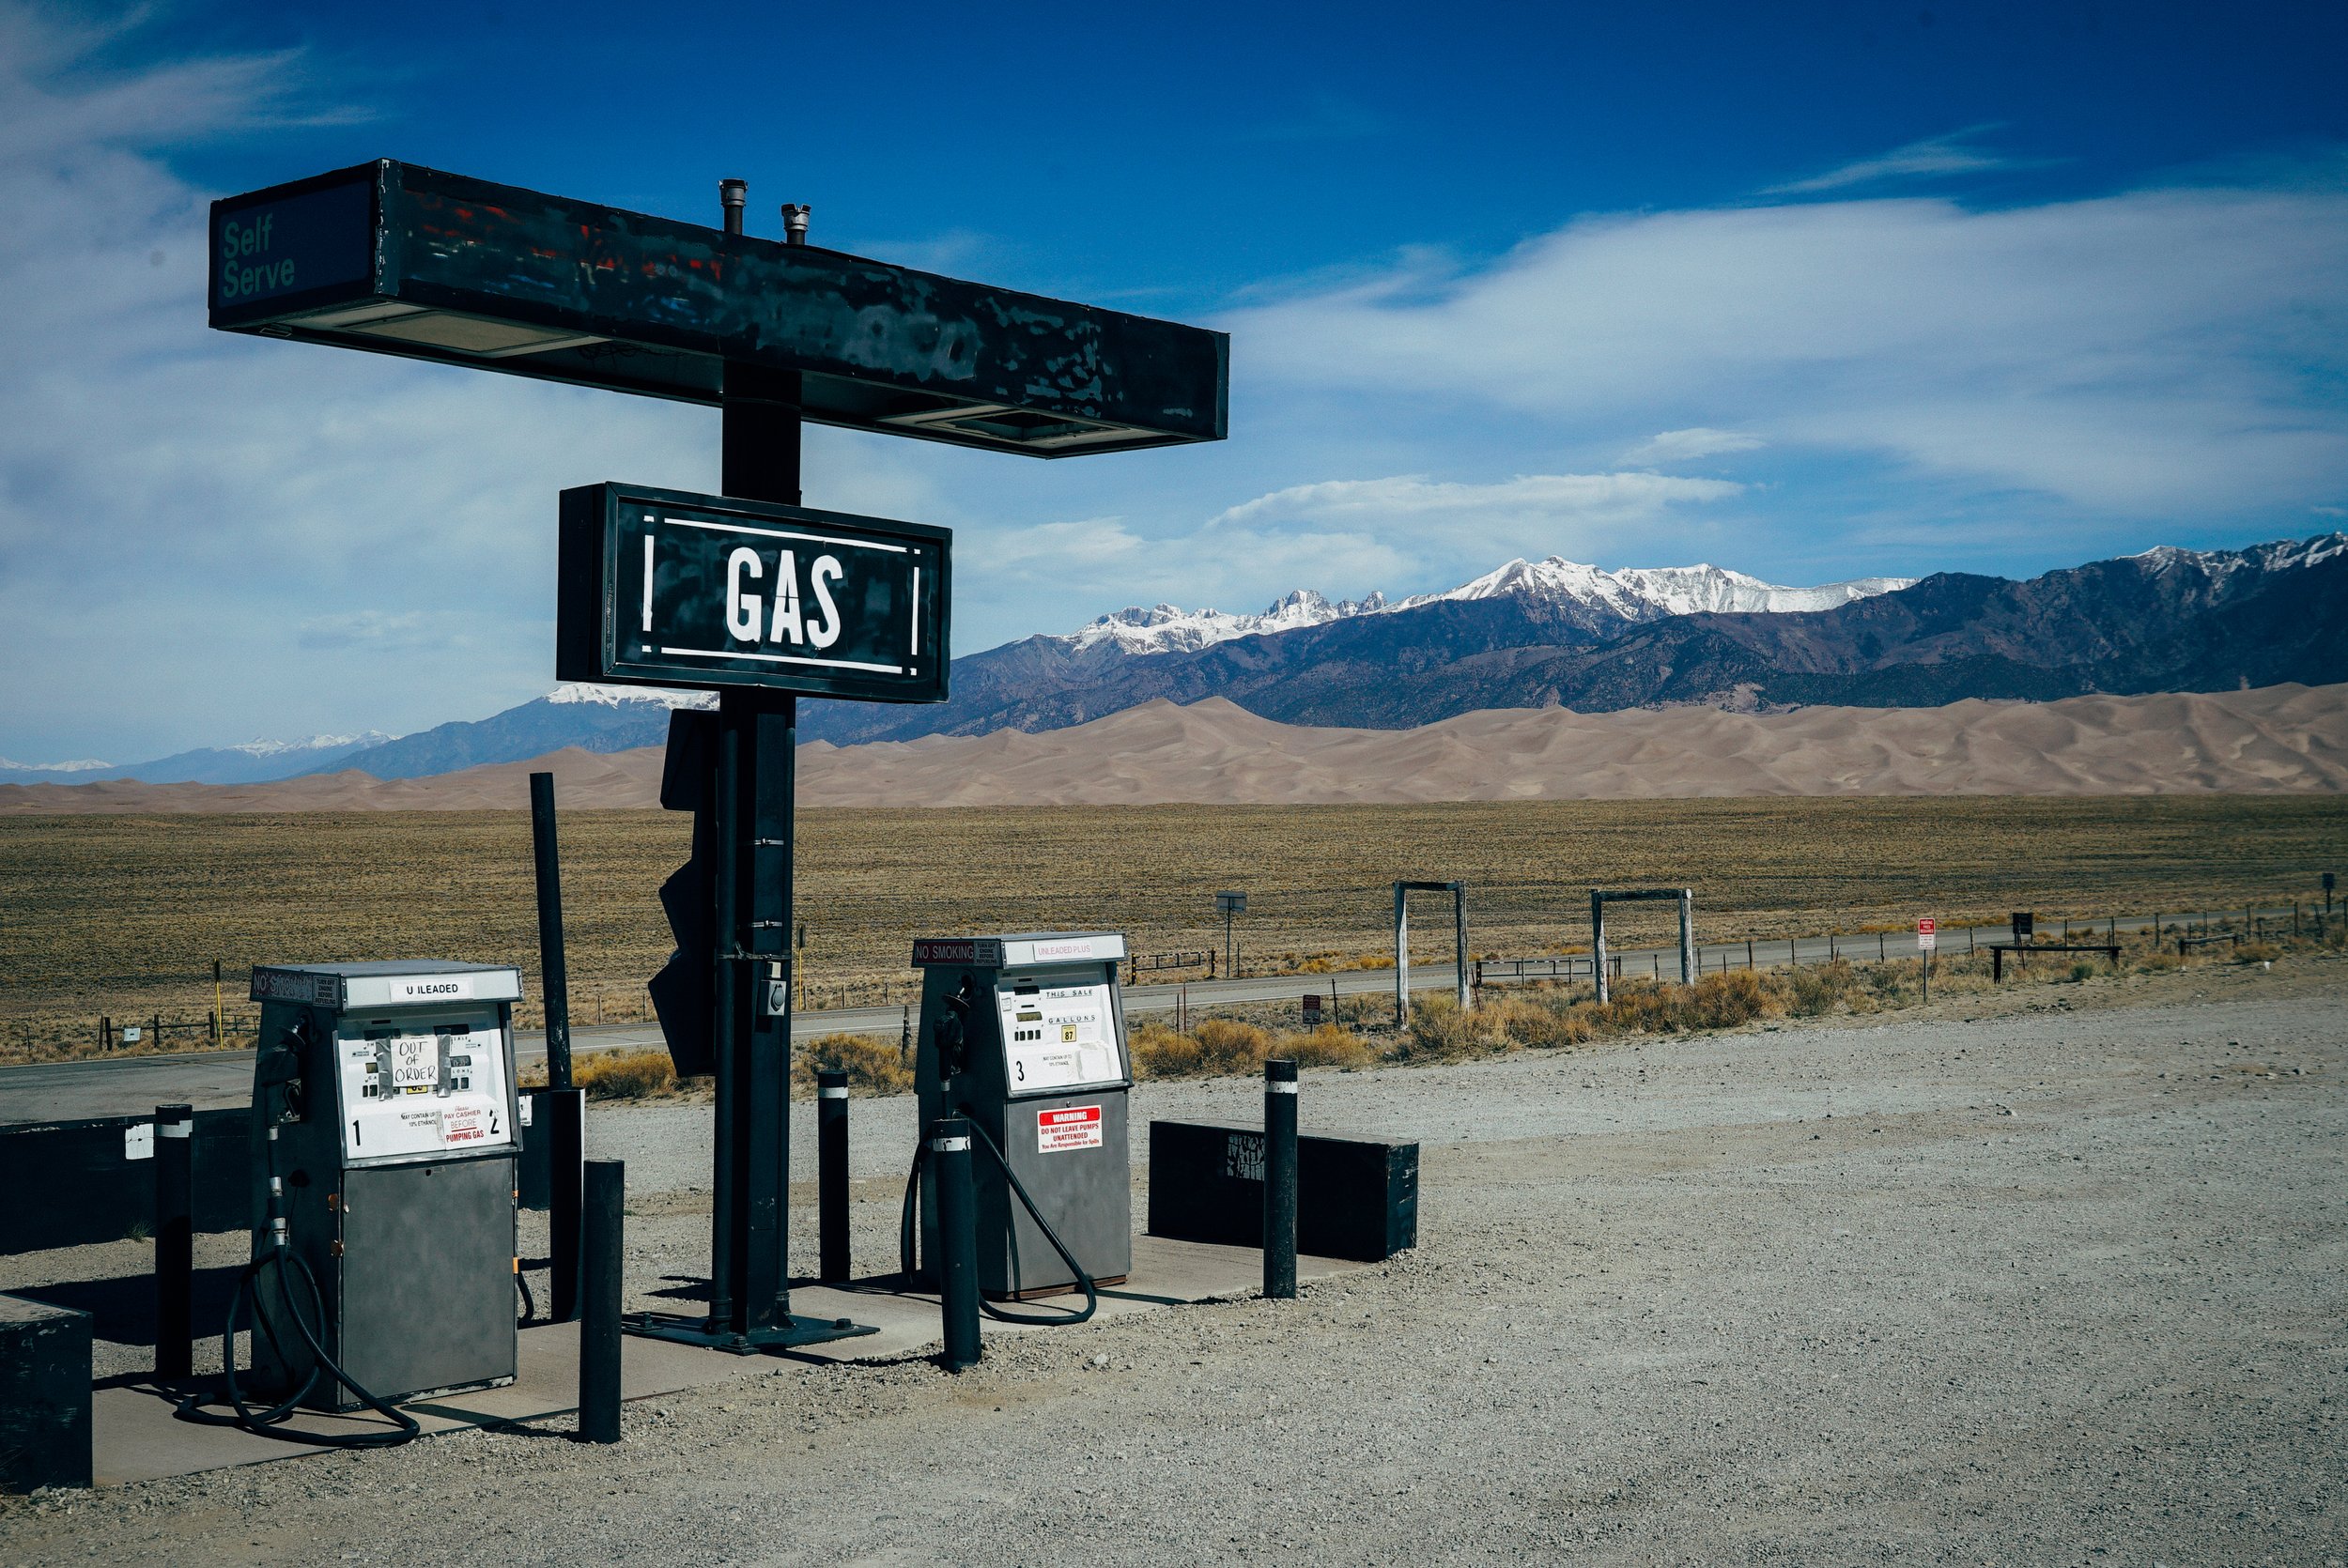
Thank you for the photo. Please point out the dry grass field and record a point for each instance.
(124, 915)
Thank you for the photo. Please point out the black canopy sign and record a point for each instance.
(665, 589)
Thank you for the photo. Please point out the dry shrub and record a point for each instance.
(1227, 1046)
(1537, 1022)
(1731, 997)
(873, 1066)
(625, 1074)
(1327, 1046)
(1822, 988)
(1159, 1052)
(2257, 952)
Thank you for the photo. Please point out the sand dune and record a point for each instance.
(2287, 739)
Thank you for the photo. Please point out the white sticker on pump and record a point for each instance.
(1073, 1127)
(1059, 1037)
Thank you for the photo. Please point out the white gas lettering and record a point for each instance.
(741, 608)
(786, 616)
(825, 632)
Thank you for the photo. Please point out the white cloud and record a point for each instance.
(1686, 446)
(1058, 576)
(1935, 158)
(2161, 353)
(206, 535)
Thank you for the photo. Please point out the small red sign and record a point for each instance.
(1927, 926)
(1073, 1126)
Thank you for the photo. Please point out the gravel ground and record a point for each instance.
(2060, 1284)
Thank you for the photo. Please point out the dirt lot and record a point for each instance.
(2049, 1277)
(122, 916)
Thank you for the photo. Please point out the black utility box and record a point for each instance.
(44, 1395)
(1355, 1197)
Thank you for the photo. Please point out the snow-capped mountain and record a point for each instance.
(1651, 592)
(1634, 594)
(1168, 629)
(84, 766)
(620, 697)
(251, 761)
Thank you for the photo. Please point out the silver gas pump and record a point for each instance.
(1025, 1036)
(384, 1149)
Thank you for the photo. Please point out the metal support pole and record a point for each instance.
(565, 1111)
(1401, 956)
(1459, 947)
(1598, 943)
(553, 973)
(831, 1176)
(957, 1240)
(175, 1242)
(599, 1317)
(1687, 936)
(1279, 1179)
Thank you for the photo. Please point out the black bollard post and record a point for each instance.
(1279, 1179)
(957, 1240)
(599, 1311)
(831, 1176)
(566, 1158)
(175, 1242)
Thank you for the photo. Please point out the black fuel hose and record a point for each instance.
(288, 1265)
(904, 1235)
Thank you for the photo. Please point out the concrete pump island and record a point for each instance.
(2039, 1269)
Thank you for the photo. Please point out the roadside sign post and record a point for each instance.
(1228, 904)
(747, 593)
(1928, 939)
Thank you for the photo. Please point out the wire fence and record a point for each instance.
(596, 1004)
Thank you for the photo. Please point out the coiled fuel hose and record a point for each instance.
(905, 1227)
(288, 1267)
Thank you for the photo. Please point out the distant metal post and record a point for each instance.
(832, 1174)
(1401, 956)
(1687, 936)
(600, 1318)
(1279, 1179)
(175, 1240)
(1597, 942)
(554, 979)
(1459, 947)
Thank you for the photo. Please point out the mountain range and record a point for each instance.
(1554, 634)
(250, 763)
(1529, 635)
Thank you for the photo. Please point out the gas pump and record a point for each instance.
(383, 1177)
(1025, 1036)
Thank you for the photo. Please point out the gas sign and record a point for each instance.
(666, 589)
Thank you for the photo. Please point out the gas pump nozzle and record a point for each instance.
(952, 1035)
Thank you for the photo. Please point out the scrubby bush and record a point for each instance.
(1823, 987)
(625, 1074)
(873, 1066)
(1327, 1046)
(1218, 1046)
(1731, 997)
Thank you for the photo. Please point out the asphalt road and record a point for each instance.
(129, 1085)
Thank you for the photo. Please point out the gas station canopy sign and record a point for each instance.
(661, 588)
(398, 259)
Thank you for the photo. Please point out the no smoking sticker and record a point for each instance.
(1076, 1126)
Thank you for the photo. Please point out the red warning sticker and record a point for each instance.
(1075, 1127)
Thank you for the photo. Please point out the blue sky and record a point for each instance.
(1812, 291)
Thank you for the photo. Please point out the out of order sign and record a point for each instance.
(662, 588)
